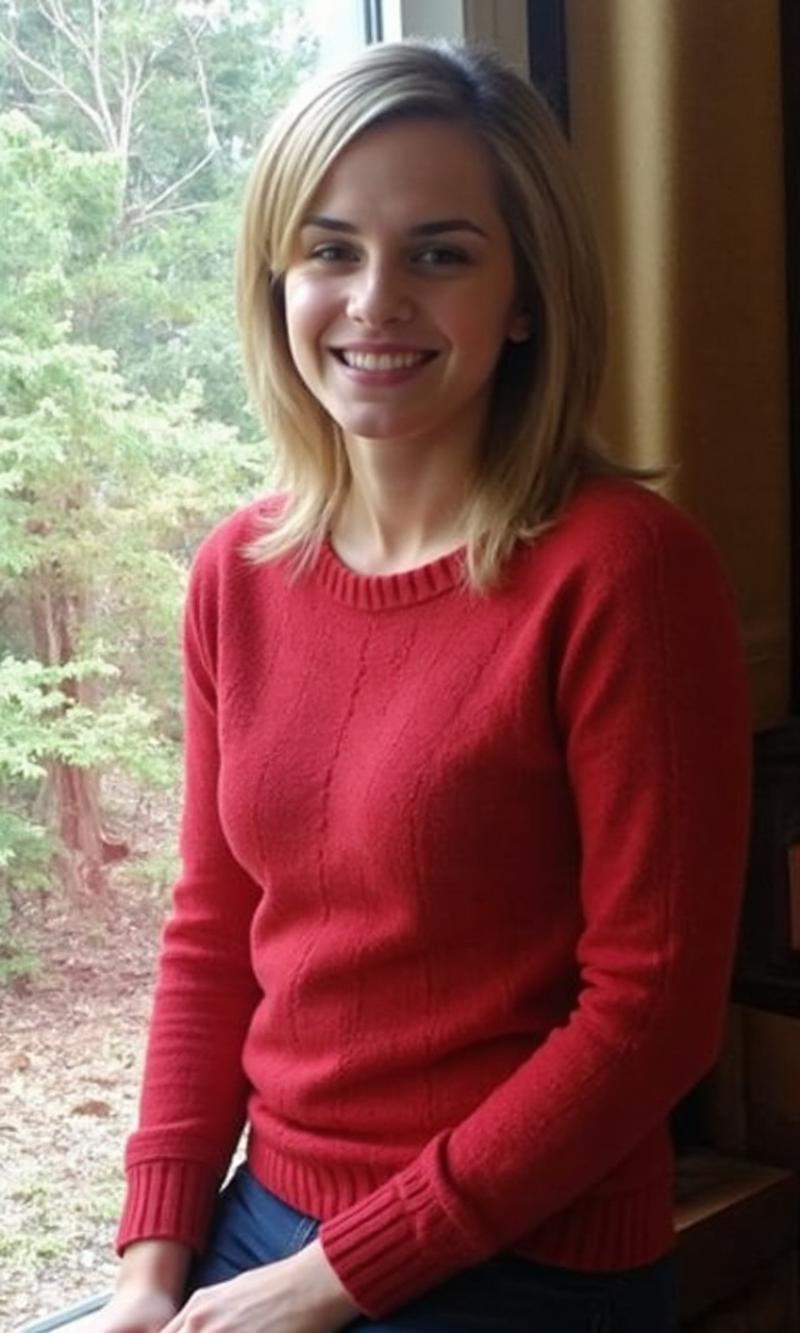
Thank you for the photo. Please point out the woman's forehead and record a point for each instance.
(406, 165)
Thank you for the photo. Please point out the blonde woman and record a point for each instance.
(467, 768)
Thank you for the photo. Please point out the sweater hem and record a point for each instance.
(386, 1239)
(383, 1265)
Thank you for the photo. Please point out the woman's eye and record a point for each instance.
(437, 256)
(331, 253)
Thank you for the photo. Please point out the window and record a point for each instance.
(126, 434)
(500, 23)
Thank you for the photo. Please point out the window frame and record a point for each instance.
(502, 24)
(790, 52)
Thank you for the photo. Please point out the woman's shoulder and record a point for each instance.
(616, 526)
(228, 540)
(223, 572)
(619, 555)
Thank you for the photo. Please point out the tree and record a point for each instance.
(122, 430)
(105, 494)
(177, 94)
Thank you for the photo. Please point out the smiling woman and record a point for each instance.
(398, 310)
(516, 177)
(466, 805)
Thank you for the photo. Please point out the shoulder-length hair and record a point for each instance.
(539, 438)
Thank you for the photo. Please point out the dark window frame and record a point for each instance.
(373, 21)
(547, 55)
(790, 63)
(547, 48)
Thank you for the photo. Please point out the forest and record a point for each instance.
(126, 129)
(126, 132)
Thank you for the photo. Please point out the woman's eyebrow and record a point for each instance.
(419, 228)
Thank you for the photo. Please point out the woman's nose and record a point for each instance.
(378, 297)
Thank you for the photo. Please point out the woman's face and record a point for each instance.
(400, 293)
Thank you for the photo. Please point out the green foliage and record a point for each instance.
(209, 78)
(41, 723)
(124, 430)
(58, 209)
(26, 847)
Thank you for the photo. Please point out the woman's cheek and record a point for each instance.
(307, 300)
(309, 310)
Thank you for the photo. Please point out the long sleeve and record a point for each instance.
(650, 699)
(194, 1092)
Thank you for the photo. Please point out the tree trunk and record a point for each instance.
(72, 794)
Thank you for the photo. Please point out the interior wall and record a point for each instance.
(675, 115)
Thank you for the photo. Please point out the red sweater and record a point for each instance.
(459, 897)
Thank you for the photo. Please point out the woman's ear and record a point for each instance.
(519, 328)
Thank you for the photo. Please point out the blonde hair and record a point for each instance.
(539, 438)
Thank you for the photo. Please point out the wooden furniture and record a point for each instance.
(737, 1224)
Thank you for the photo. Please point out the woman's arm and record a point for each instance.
(194, 1090)
(157, 1265)
(193, 1099)
(149, 1288)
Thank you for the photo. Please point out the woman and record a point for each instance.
(467, 768)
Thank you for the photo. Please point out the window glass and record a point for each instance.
(125, 135)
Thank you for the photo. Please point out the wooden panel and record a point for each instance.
(772, 1044)
(734, 1219)
(768, 1306)
(794, 896)
(676, 119)
(730, 1318)
(722, 1101)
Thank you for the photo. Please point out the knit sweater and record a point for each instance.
(460, 885)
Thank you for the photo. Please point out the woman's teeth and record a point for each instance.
(382, 361)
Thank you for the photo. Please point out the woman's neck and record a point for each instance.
(401, 511)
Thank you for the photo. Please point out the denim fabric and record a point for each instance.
(507, 1294)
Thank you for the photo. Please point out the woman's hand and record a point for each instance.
(134, 1309)
(297, 1295)
(150, 1285)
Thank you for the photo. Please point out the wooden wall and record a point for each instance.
(675, 114)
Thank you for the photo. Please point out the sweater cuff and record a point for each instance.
(171, 1200)
(390, 1247)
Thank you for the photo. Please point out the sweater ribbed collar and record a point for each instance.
(382, 592)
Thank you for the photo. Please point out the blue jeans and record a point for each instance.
(508, 1294)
